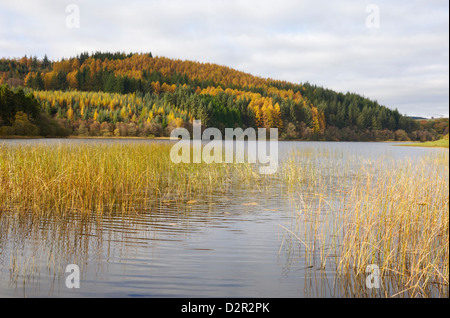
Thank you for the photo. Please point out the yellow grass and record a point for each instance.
(399, 220)
(394, 214)
(104, 178)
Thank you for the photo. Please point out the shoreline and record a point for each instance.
(431, 144)
(423, 146)
(441, 143)
(83, 137)
(115, 137)
(168, 138)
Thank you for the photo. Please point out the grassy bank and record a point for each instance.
(441, 143)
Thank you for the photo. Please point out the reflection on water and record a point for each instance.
(203, 249)
(233, 244)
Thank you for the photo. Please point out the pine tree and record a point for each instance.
(46, 62)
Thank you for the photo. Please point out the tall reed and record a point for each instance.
(105, 177)
(352, 212)
(397, 217)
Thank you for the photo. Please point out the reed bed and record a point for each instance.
(60, 199)
(350, 211)
(106, 177)
(398, 219)
(390, 213)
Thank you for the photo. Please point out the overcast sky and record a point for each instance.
(395, 52)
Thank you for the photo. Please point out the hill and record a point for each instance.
(137, 94)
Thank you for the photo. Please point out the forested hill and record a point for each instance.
(138, 94)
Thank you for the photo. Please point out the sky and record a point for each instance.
(394, 52)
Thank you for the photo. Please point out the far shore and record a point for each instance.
(83, 137)
(22, 137)
(169, 138)
(117, 137)
(434, 144)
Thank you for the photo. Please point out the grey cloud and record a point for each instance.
(402, 64)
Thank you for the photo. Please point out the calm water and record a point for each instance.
(223, 245)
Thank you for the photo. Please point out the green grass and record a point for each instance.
(441, 143)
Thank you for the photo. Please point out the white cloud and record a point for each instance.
(402, 64)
